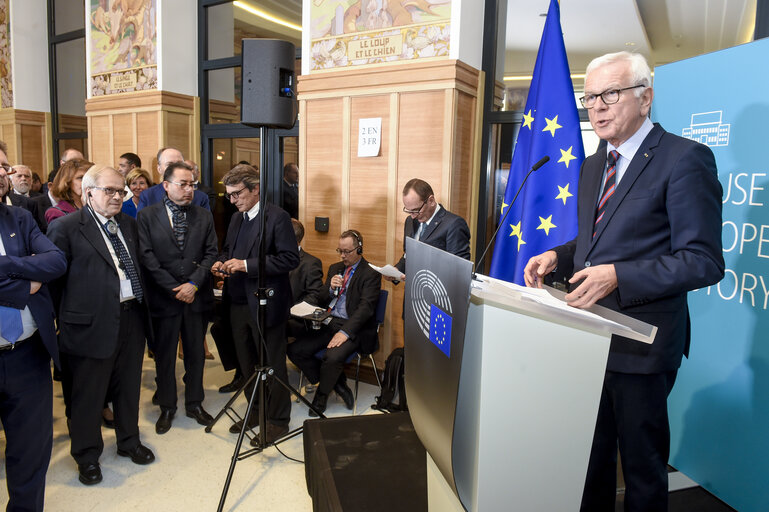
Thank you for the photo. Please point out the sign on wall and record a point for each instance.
(719, 407)
(123, 35)
(358, 32)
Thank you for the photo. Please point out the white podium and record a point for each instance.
(529, 389)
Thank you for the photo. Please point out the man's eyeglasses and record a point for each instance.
(234, 195)
(184, 185)
(8, 169)
(109, 191)
(609, 97)
(411, 212)
(345, 252)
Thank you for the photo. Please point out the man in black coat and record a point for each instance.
(178, 245)
(351, 292)
(240, 264)
(28, 260)
(306, 280)
(102, 317)
(9, 198)
(431, 223)
(290, 189)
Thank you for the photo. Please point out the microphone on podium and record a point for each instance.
(542, 161)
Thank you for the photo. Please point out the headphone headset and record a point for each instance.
(355, 234)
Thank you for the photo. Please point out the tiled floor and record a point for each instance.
(190, 466)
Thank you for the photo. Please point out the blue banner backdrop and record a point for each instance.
(719, 408)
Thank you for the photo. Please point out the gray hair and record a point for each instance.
(640, 73)
(94, 173)
(17, 167)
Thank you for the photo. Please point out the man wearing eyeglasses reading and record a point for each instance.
(649, 232)
(102, 319)
(351, 294)
(431, 223)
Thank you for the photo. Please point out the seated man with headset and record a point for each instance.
(351, 294)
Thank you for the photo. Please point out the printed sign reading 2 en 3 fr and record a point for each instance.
(386, 46)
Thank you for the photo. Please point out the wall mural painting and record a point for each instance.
(6, 82)
(123, 46)
(357, 32)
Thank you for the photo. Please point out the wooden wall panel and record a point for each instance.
(123, 136)
(26, 133)
(321, 181)
(178, 136)
(32, 149)
(430, 129)
(147, 140)
(99, 135)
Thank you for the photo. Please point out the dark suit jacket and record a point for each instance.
(282, 257)
(88, 295)
(43, 203)
(290, 200)
(447, 231)
(662, 232)
(362, 298)
(31, 206)
(166, 266)
(18, 267)
(306, 279)
(156, 193)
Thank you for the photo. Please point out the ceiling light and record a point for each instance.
(522, 78)
(267, 16)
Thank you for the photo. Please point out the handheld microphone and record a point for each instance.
(338, 288)
(542, 161)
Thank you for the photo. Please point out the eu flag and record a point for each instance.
(545, 214)
(440, 329)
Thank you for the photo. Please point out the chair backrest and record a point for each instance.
(381, 307)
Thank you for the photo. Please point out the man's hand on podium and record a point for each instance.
(538, 267)
(597, 283)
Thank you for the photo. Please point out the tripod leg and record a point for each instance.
(295, 392)
(230, 402)
(258, 376)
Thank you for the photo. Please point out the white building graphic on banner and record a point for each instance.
(707, 128)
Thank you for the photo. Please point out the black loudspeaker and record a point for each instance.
(269, 91)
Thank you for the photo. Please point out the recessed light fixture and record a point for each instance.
(267, 16)
(630, 43)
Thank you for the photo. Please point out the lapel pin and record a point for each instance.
(646, 155)
(13, 235)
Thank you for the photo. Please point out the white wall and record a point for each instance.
(178, 46)
(467, 32)
(29, 55)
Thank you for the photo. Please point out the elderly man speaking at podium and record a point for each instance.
(649, 232)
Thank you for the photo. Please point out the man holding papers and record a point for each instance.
(649, 232)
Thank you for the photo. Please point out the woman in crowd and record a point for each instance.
(67, 189)
(138, 180)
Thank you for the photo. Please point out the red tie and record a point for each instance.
(346, 279)
(609, 185)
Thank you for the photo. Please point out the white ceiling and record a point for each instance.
(663, 30)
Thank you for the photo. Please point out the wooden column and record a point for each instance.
(142, 123)
(28, 135)
(431, 118)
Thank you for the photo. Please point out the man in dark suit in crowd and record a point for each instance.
(205, 189)
(128, 162)
(649, 231)
(28, 260)
(306, 280)
(240, 263)
(177, 244)
(102, 318)
(9, 198)
(351, 292)
(156, 193)
(21, 178)
(291, 189)
(431, 223)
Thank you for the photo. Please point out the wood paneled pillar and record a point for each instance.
(431, 117)
(28, 135)
(142, 123)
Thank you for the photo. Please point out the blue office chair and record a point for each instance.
(379, 314)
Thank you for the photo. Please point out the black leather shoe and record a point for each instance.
(200, 415)
(90, 474)
(163, 424)
(274, 432)
(318, 403)
(236, 427)
(345, 393)
(139, 455)
(236, 384)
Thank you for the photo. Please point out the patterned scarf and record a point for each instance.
(179, 217)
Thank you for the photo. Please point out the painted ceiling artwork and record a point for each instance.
(359, 32)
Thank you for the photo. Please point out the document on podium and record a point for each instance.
(614, 321)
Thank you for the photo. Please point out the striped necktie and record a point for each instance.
(609, 185)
